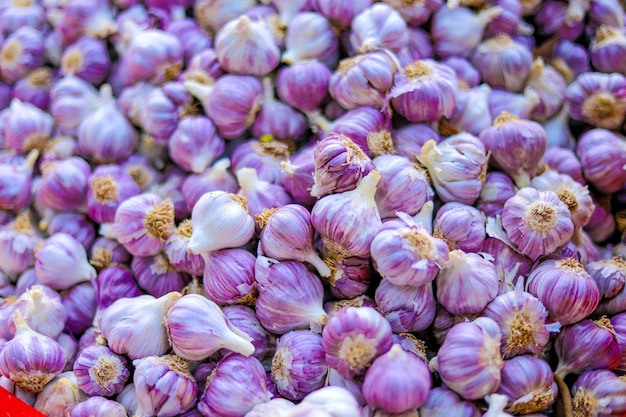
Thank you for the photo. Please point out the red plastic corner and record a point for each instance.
(11, 406)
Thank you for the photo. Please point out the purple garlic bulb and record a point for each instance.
(156, 276)
(108, 187)
(469, 361)
(424, 92)
(363, 80)
(349, 276)
(598, 99)
(503, 63)
(245, 319)
(143, 223)
(16, 182)
(610, 276)
(353, 338)
(550, 86)
(299, 366)
(60, 395)
(520, 105)
(287, 235)
(472, 112)
(98, 407)
(176, 250)
(247, 47)
(265, 156)
(42, 310)
(290, 297)
(457, 31)
(607, 49)
(18, 241)
(26, 127)
(75, 224)
(587, 345)
(356, 208)
(378, 27)
(220, 220)
(368, 127)
(565, 288)
(510, 136)
(570, 192)
(405, 253)
(528, 383)
(100, 372)
(135, 326)
(460, 226)
(277, 119)
(22, 51)
(214, 178)
(236, 385)
(599, 392)
(310, 37)
(30, 359)
(456, 166)
(115, 281)
(466, 283)
(194, 341)
(406, 308)
(536, 222)
(442, 402)
(164, 385)
(602, 156)
(195, 144)
(228, 277)
(260, 194)
(304, 96)
(403, 186)
(522, 321)
(298, 170)
(397, 382)
(340, 14)
(63, 185)
(339, 165)
(88, 59)
(61, 262)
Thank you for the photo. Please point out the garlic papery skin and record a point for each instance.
(575, 196)
(310, 37)
(298, 366)
(143, 223)
(406, 254)
(406, 308)
(510, 135)
(164, 386)
(287, 235)
(460, 226)
(466, 283)
(587, 345)
(135, 326)
(349, 276)
(610, 276)
(457, 167)
(599, 392)
(275, 406)
(471, 113)
(353, 338)
(442, 402)
(550, 85)
(378, 27)
(176, 250)
(522, 321)
(339, 165)
(234, 387)
(100, 372)
(228, 277)
(61, 262)
(349, 221)
(469, 360)
(31, 359)
(42, 310)
(528, 383)
(220, 221)
(537, 222)
(424, 91)
(328, 402)
(607, 49)
(563, 286)
(60, 396)
(397, 382)
(214, 178)
(197, 329)
(290, 297)
(520, 105)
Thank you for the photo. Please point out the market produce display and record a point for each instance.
(313, 208)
